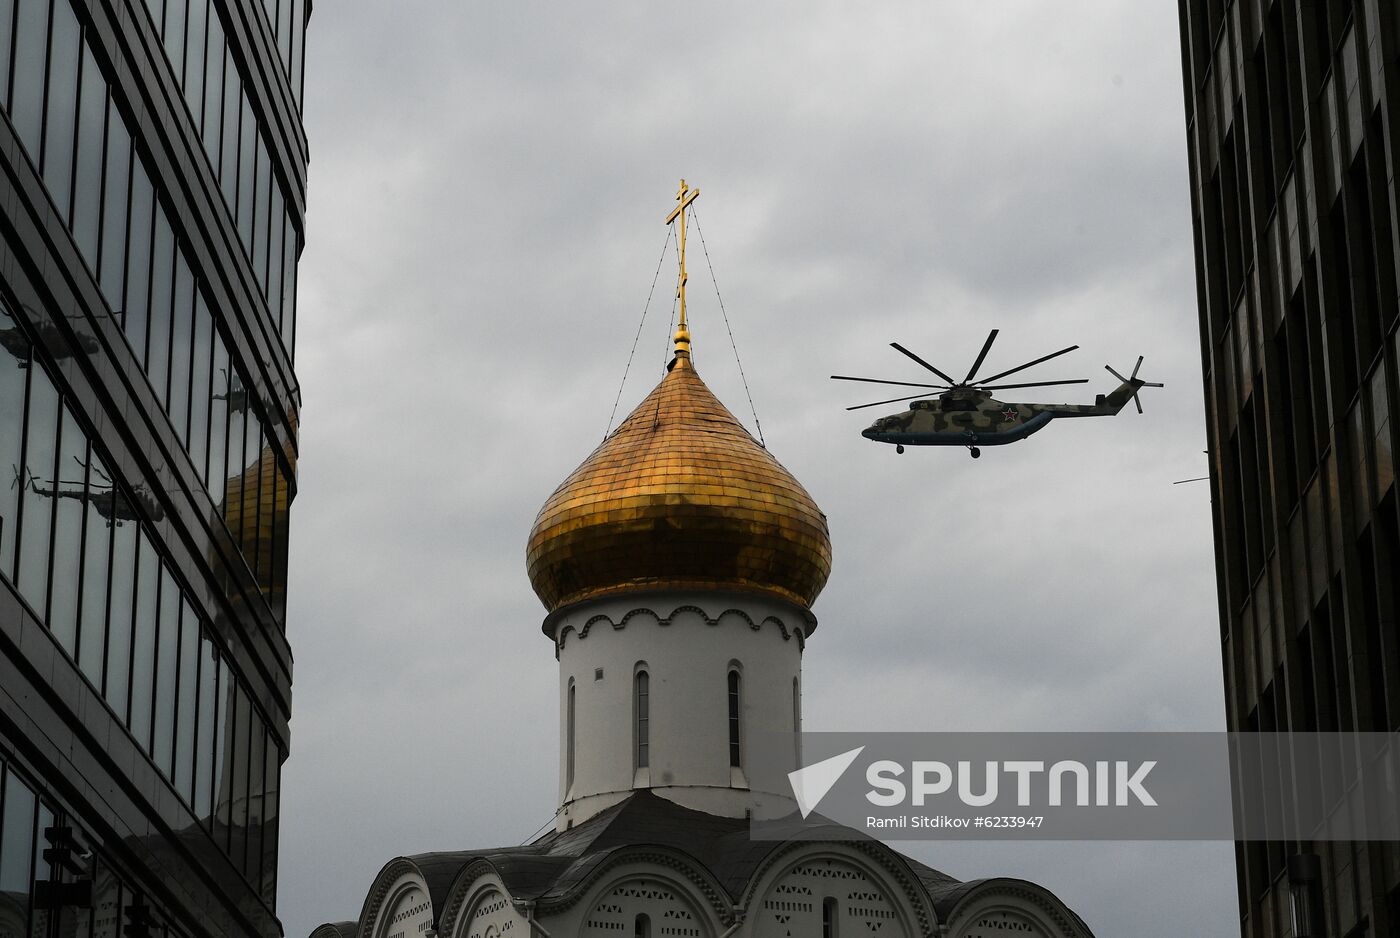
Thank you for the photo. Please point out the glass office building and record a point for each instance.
(1291, 126)
(152, 194)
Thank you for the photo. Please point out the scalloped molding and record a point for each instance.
(1042, 899)
(884, 857)
(692, 870)
(668, 620)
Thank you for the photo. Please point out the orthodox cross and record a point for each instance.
(685, 195)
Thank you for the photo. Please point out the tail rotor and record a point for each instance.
(1133, 380)
(22, 480)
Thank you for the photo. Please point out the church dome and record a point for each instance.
(680, 496)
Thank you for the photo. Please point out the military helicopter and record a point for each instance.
(107, 500)
(966, 414)
(236, 395)
(16, 343)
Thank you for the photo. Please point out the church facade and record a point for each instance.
(678, 565)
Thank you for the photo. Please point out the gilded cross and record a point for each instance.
(685, 195)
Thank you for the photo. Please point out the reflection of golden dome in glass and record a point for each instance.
(680, 496)
(254, 508)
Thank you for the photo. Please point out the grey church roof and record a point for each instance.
(557, 867)
(552, 867)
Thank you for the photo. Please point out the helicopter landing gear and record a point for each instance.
(899, 448)
(974, 452)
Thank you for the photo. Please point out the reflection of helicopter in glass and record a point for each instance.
(966, 414)
(237, 395)
(104, 497)
(15, 340)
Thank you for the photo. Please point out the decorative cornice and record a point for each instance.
(1042, 899)
(661, 620)
(690, 868)
(887, 859)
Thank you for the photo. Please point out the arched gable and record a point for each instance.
(336, 930)
(398, 904)
(869, 887)
(1012, 908)
(679, 896)
(478, 905)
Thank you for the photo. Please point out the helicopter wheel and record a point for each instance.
(899, 448)
(974, 452)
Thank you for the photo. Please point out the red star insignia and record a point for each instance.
(1010, 414)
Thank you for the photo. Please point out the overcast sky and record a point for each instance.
(488, 185)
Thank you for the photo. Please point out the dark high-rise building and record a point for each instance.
(152, 188)
(1291, 110)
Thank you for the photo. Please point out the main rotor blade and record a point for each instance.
(982, 356)
(1029, 384)
(1043, 358)
(907, 384)
(892, 400)
(899, 348)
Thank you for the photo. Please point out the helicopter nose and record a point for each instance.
(869, 432)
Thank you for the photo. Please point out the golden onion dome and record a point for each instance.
(680, 496)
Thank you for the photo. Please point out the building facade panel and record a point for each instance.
(153, 290)
(100, 374)
(148, 414)
(1290, 119)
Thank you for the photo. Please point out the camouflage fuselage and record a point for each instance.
(969, 417)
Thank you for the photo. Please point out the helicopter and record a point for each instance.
(966, 414)
(14, 341)
(237, 395)
(107, 500)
